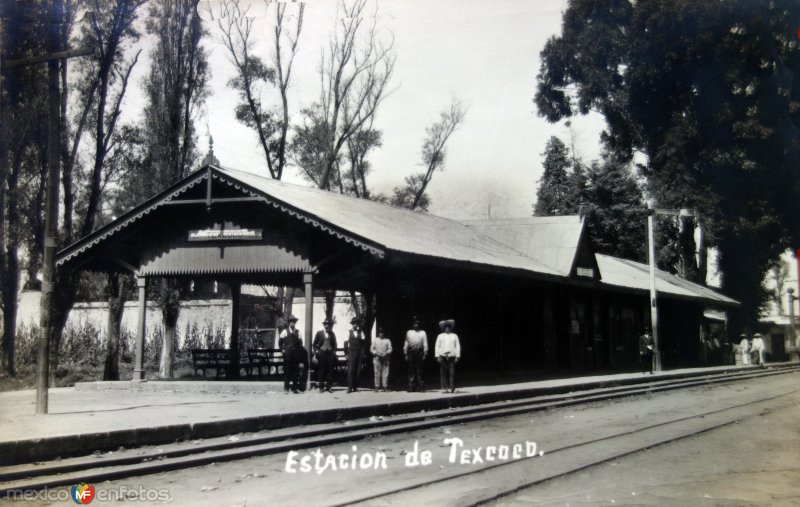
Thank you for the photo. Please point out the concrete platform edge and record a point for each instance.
(36, 449)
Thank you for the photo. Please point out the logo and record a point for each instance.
(83, 494)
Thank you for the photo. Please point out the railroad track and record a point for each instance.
(91, 469)
(491, 483)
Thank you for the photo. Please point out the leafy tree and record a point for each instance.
(176, 88)
(434, 152)
(404, 196)
(616, 210)
(709, 93)
(22, 112)
(554, 187)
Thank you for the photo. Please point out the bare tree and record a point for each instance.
(433, 157)
(354, 71)
(253, 74)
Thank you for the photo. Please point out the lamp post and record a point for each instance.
(651, 244)
(792, 338)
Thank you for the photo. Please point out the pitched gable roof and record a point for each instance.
(393, 228)
(553, 240)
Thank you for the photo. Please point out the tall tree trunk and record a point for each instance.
(63, 300)
(10, 285)
(686, 246)
(330, 300)
(288, 301)
(4, 345)
(170, 309)
(10, 282)
(116, 305)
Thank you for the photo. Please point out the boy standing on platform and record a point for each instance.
(448, 351)
(381, 350)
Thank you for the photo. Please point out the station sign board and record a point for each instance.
(226, 231)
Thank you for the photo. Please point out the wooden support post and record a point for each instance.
(138, 366)
(236, 292)
(309, 292)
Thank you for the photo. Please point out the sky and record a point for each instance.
(486, 54)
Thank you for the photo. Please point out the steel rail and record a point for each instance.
(68, 472)
(473, 473)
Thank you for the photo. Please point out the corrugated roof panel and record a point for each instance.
(395, 228)
(635, 275)
(552, 241)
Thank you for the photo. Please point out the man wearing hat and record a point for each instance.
(325, 351)
(415, 349)
(646, 345)
(758, 350)
(744, 348)
(354, 349)
(448, 351)
(289, 342)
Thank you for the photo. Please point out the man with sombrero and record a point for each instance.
(354, 349)
(448, 351)
(758, 348)
(325, 352)
(292, 347)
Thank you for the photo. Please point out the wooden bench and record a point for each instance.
(207, 359)
(270, 360)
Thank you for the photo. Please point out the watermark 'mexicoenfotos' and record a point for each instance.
(319, 462)
(84, 494)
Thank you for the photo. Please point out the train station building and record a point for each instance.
(526, 294)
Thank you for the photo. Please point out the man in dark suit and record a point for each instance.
(646, 346)
(292, 348)
(354, 349)
(325, 352)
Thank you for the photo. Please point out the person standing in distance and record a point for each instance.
(448, 351)
(646, 345)
(381, 350)
(415, 349)
(325, 350)
(290, 343)
(354, 349)
(744, 348)
(758, 349)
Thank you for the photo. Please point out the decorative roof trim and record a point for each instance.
(101, 234)
(302, 216)
(82, 245)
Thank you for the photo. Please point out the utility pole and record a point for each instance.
(793, 345)
(54, 56)
(651, 243)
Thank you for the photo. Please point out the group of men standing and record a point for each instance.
(447, 351)
(752, 351)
